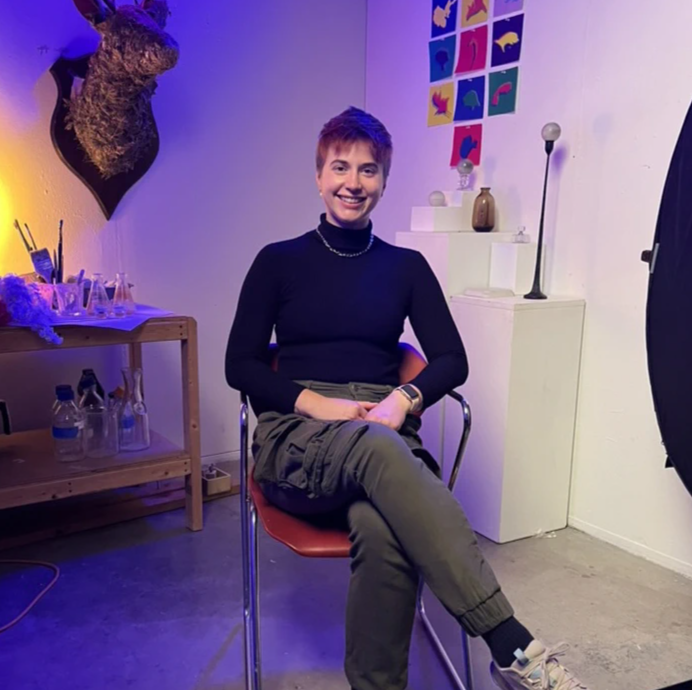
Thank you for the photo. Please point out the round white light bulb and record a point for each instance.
(465, 166)
(551, 131)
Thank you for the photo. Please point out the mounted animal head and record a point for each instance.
(111, 116)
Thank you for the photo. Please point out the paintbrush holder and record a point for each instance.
(46, 293)
(70, 299)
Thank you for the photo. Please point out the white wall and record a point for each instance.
(238, 119)
(617, 76)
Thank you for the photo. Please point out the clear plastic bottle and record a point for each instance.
(58, 388)
(96, 436)
(67, 427)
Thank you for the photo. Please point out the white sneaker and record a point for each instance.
(536, 668)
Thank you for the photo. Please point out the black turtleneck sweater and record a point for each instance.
(339, 319)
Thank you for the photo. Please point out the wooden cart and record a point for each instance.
(29, 472)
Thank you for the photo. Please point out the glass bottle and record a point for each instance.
(123, 303)
(88, 374)
(134, 418)
(483, 218)
(67, 427)
(113, 441)
(98, 305)
(96, 439)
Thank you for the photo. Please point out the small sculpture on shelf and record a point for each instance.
(464, 168)
(521, 237)
(437, 198)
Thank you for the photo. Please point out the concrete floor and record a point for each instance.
(147, 605)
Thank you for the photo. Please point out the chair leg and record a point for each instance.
(251, 615)
(250, 544)
(442, 652)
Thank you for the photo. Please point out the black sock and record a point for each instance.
(505, 639)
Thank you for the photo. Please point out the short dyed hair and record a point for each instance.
(356, 125)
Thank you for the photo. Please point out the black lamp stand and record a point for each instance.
(536, 292)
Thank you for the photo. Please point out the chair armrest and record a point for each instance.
(466, 413)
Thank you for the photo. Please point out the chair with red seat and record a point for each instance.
(314, 539)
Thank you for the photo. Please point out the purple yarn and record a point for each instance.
(26, 307)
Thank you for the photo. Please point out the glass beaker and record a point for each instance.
(96, 437)
(98, 304)
(123, 303)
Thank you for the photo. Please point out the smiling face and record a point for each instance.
(351, 182)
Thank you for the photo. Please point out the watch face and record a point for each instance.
(411, 391)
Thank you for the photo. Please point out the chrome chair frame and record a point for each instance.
(250, 544)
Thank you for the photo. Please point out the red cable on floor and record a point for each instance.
(50, 566)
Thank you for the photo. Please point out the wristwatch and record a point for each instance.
(413, 395)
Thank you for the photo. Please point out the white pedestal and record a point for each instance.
(455, 217)
(459, 260)
(524, 367)
(512, 266)
(439, 219)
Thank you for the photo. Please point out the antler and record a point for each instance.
(95, 11)
(157, 10)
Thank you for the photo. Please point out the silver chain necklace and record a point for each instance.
(338, 253)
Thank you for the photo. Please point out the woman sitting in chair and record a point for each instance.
(337, 433)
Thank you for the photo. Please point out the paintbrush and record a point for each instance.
(60, 255)
(21, 234)
(31, 237)
(42, 264)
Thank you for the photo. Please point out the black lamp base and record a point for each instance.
(535, 294)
